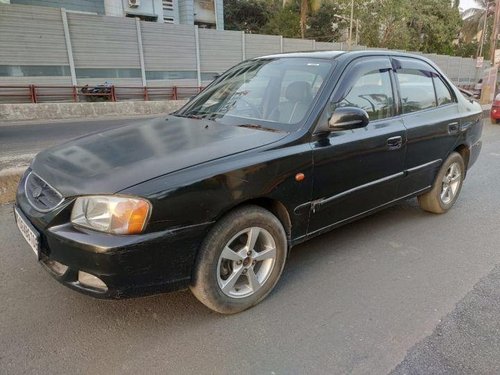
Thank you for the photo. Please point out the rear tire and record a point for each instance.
(240, 260)
(446, 187)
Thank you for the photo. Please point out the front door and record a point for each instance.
(358, 170)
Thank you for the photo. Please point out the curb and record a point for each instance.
(57, 111)
(9, 179)
(71, 120)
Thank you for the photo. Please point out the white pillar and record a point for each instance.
(197, 47)
(141, 52)
(69, 50)
(459, 70)
(243, 46)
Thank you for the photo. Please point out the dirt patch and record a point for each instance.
(9, 179)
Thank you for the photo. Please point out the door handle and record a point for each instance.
(394, 143)
(453, 127)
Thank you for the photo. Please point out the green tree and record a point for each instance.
(384, 24)
(429, 26)
(465, 49)
(423, 25)
(284, 21)
(306, 8)
(246, 15)
(325, 25)
(435, 27)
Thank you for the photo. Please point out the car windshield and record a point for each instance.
(275, 93)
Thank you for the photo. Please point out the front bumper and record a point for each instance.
(129, 265)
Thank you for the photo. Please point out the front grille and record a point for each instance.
(40, 194)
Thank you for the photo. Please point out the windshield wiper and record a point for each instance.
(213, 115)
(187, 115)
(260, 127)
(200, 116)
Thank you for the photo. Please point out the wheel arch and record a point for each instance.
(274, 206)
(464, 152)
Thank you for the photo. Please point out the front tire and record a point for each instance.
(240, 260)
(446, 187)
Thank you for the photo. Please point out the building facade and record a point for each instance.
(204, 13)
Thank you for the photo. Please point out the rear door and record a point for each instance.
(358, 170)
(431, 116)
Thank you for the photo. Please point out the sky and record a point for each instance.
(466, 4)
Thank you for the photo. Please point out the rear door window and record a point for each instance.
(417, 90)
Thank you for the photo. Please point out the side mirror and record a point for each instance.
(346, 118)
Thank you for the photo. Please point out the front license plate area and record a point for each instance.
(29, 233)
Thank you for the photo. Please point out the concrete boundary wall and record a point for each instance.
(52, 111)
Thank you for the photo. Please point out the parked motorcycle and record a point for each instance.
(98, 93)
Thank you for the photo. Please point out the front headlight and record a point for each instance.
(111, 214)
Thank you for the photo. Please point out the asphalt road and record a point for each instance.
(19, 142)
(467, 341)
(402, 290)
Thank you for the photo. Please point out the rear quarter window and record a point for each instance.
(442, 93)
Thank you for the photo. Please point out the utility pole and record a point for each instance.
(357, 31)
(350, 27)
(494, 34)
(483, 34)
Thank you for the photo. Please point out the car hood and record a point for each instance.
(110, 161)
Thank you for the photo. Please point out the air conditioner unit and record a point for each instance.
(134, 3)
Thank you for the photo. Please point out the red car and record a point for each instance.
(495, 110)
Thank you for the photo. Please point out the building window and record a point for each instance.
(168, 5)
(143, 17)
(168, 10)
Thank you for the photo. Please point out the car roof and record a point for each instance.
(334, 54)
(317, 54)
(351, 55)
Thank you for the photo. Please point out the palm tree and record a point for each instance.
(475, 19)
(304, 10)
(305, 6)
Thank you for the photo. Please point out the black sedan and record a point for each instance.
(275, 151)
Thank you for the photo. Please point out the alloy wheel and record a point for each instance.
(451, 183)
(246, 262)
